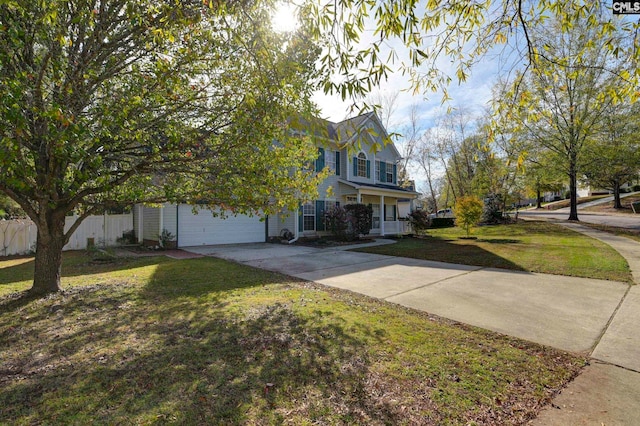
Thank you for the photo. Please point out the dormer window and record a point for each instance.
(361, 166)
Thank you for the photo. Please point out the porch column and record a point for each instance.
(358, 197)
(397, 219)
(382, 216)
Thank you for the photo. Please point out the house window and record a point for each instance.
(362, 165)
(309, 217)
(389, 213)
(377, 170)
(330, 160)
(389, 172)
(375, 218)
(352, 199)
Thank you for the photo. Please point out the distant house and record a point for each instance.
(362, 175)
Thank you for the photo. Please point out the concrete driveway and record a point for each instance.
(564, 312)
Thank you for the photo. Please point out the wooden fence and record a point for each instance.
(19, 236)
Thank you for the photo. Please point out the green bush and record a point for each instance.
(419, 220)
(336, 220)
(361, 218)
(442, 222)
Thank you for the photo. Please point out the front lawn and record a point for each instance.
(525, 246)
(204, 341)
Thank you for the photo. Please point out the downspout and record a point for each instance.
(297, 224)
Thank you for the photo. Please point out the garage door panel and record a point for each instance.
(204, 229)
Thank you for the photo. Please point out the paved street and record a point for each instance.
(621, 220)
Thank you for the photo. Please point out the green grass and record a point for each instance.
(157, 341)
(623, 232)
(526, 246)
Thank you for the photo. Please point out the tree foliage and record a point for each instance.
(360, 36)
(561, 103)
(468, 212)
(612, 156)
(110, 102)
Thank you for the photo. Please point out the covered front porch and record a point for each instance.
(383, 200)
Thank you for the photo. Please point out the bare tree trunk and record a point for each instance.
(617, 203)
(48, 261)
(538, 198)
(573, 188)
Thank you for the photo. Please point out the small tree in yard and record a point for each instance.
(468, 212)
(419, 220)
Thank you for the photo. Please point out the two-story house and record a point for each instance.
(357, 174)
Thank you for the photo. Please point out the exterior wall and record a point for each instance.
(372, 133)
(331, 182)
(370, 158)
(272, 222)
(170, 218)
(389, 157)
(170, 223)
(287, 222)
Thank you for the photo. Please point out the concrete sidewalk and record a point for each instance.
(608, 391)
(595, 317)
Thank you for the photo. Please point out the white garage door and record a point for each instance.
(204, 229)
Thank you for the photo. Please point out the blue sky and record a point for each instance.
(473, 94)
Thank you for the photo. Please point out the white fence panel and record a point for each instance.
(117, 225)
(92, 228)
(19, 236)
